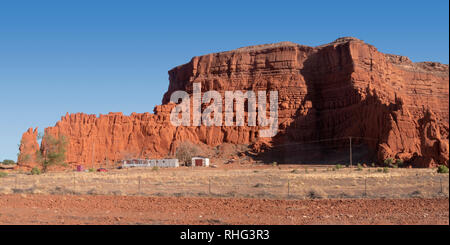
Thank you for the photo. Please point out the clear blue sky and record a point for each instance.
(102, 56)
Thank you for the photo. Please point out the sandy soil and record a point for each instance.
(92, 209)
(283, 182)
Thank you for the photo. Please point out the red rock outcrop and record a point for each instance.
(391, 106)
(28, 148)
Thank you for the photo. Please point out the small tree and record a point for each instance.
(8, 162)
(55, 152)
(185, 151)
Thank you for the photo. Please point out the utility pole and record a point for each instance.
(106, 157)
(351, 163)
(93, 153)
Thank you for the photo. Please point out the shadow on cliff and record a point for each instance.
(331, 112)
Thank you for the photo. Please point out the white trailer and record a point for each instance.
(161, 163)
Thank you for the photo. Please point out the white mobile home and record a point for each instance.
(161, 163)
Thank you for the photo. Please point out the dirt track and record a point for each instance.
(85, 209)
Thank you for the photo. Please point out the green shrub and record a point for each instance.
(8, 162)
(35, 171)
(379, 170)
(91, 170)
(359, 168)
(442, 169)
(3, 174)
(373, 164)
(338, 166)
(399, 162)
(388, 162)
(155, 168)
(385, 170)
(274, 164)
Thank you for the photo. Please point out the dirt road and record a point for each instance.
(91, 209)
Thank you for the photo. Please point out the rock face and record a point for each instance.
(28, 148)
(390, 106)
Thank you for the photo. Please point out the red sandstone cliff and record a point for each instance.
(390, 105)
(28, 148)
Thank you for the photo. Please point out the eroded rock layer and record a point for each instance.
(392, 107)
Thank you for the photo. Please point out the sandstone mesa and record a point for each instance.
(344, 88)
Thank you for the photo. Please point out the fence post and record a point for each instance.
(289, 188)
(365, 187)
(209, 187)
(139, 187)
(440, 181)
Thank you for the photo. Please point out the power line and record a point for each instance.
(325, 140)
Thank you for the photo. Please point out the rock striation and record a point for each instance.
(391, 106)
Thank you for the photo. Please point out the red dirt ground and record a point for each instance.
(85, 209)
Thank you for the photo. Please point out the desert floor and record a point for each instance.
(254, 181)
(288, 194)
(88, 209)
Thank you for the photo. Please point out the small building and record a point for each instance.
(200, 162)
(160, 163)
